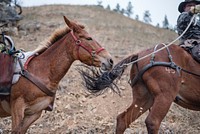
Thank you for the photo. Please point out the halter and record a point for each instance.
(80, 44)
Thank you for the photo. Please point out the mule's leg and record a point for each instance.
(28, 120)
(21, 122)
(17, 113)
(164, 90)
(142, 101)
(157, 113)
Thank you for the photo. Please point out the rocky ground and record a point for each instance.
(75, 110)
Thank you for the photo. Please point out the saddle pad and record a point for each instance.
(17, 67)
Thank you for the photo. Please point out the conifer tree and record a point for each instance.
(122, 11)
(99, 3)
(137, 17)
(166, 23)
(117, 8)
(129, 9)
(108, 7)
(147, 17)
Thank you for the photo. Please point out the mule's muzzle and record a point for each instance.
(107, 65)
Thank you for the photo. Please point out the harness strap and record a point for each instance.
(152, 63)
(180, 99)
(28, 61)
(80, 44)
(37, 82)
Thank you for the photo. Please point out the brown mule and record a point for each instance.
(171, 75)
(27, 101)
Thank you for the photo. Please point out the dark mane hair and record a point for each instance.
(96, 82)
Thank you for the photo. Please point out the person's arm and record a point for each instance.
(183, 21)
(184, 18)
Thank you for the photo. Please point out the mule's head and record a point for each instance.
(87, 49)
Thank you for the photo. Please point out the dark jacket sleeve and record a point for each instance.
(183, 21)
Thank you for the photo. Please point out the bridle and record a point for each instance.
(89, 50)
(25, 73)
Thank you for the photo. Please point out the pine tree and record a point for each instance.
(158, 25)
(99, 3)
(137, 17)
(147, 17)
(117, 8)
(122, 11)
(166, 23)
(108, 7)
(129, 9)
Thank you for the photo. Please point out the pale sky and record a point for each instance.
(157, 8)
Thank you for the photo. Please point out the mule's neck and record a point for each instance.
(56, 60)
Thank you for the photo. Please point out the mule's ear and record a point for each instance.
(68, 22)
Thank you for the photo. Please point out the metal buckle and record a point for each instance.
(93, 53)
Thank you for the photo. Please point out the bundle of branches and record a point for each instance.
(10, 11)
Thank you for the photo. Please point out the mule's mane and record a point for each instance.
(57, 34)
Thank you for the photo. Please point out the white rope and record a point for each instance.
(165, 45)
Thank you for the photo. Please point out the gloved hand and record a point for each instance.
(195, 9)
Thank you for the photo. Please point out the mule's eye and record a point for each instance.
(89, 38)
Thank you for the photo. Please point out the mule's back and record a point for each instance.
(175, 81)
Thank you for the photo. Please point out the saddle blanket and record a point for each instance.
(17, 68)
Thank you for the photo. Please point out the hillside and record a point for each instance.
(75, 111)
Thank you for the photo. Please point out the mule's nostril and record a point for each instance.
(110, 61)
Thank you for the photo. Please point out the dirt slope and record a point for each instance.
(75, 111)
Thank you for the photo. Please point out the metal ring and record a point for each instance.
(78, 42)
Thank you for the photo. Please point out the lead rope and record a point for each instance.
(194, 16)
